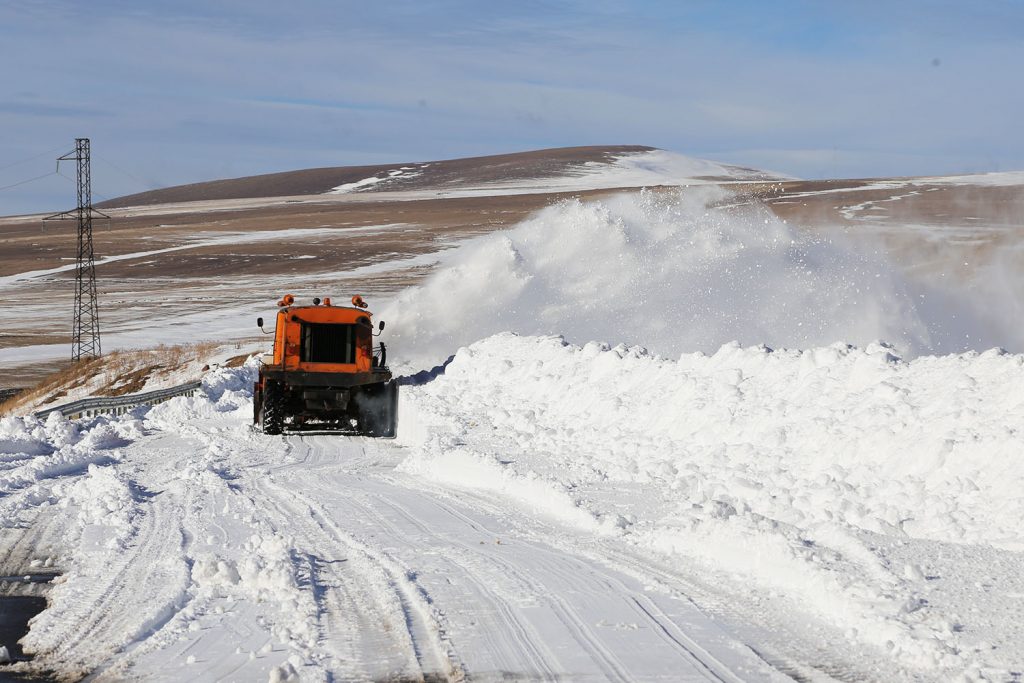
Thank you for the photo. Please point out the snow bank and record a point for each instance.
(33, 450)
(104, 501)
(674, 271)
(69, 479)
(778, 467)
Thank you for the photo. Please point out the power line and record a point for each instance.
(98, 194)
(24, 182)
(134, 177)
(32, 158)
(57, 172)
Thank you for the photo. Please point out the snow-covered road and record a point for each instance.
(480, 591)
(247, 556)
(201, 550)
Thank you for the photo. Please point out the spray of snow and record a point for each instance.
(673, 271)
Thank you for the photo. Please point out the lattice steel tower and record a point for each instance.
(85, 337)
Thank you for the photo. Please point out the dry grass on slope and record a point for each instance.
(115, 374)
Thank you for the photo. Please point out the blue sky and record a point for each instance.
(177, 92)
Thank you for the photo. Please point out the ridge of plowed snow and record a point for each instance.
(786, 469)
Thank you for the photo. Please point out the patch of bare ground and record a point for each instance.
(939, 233)
(236, 361)
(16, 378)
(54, 386)
(14, 339)
(904, 202)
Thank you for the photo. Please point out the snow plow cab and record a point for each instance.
(325, 372)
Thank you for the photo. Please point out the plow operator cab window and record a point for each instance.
(328, 343)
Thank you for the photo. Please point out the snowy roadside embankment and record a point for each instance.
(777, 467)
(75, 498)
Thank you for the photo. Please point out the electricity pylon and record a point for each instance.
(85, 337)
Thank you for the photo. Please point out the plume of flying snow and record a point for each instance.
(673, 271)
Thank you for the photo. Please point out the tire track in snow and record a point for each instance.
(337, 493)
(662, 624)
(345, 624)
(606, 660)
(137, 571)
(352, 633)
(530, 643)
(667, 629)
(399, 592)
(797, 655)
(372, 497)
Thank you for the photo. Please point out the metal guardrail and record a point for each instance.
(90, 407)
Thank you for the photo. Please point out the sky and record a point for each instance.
(192, 90)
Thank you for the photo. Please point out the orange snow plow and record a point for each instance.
(325, 372)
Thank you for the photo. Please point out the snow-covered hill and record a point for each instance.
(643, 168)
(929, 264)
(545, 170)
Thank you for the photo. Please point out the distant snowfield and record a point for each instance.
(398, 173)
(993, 179)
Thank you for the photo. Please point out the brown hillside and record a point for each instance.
(542, 163)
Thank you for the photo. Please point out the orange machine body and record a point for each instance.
(325, 372)
(288, 337)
